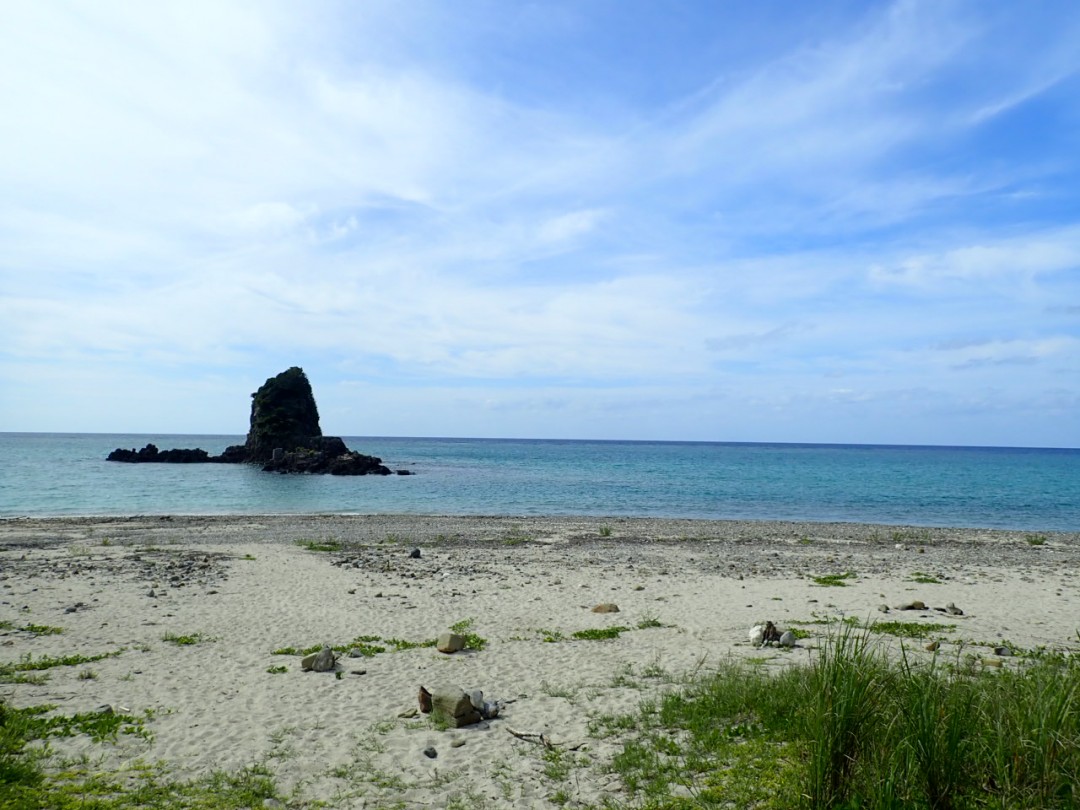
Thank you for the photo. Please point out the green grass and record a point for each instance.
(320, 545)
(1035, 539)
(42, 629)
(472, 640)
(856, 729)
(924, 579)
(915, 630)
(13, 673)
(605, 531)
(600, 633)
(833, 580)
(187, 640)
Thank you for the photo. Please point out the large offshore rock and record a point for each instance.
(284, 436)
(283, 415)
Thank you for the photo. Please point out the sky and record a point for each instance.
(836, 221)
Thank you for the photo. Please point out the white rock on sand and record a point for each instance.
(241, 588)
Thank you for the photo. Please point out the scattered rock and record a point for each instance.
(1004, 652)
(787, 639)
(933, 646)
(424, 698)
(415, 554)
(953, 610)
(454, 707)
(322, 661)
(913, 605)
(757, 635)
(457, 743)
(450, 642)
(606, 607)
(430, 752)
(883, 608)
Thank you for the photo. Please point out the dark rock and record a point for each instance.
(430, 752)
(415, 554)
(284, 437)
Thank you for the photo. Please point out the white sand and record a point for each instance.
(248, 589)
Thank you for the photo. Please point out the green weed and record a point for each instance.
(833, 580)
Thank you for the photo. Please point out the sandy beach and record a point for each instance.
(196, 610)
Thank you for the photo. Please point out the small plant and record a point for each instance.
(1035, 539)
(605, 531)
(187, 640)
(910, 629)
(320, 545)
(649, 622)
(277, 670)
(42, 630)
(833, 580)
(600, 633)
(30, 664)
(924, 579)
(551, 636)
(87, 675)
(472, 640)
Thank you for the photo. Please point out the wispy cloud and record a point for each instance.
(551, 214)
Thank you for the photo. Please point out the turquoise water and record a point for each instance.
(1025, 489)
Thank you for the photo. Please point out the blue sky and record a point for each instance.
(821, 222)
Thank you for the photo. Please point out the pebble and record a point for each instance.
(415, 554)
(430, 752)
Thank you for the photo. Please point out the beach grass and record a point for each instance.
(852, 728)
(858, 729)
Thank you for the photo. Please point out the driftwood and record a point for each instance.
(544, 740)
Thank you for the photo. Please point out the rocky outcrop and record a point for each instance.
(283, 417)
(284, 436)
(150, 453)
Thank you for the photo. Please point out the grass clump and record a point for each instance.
(855, 729)
(188, 639)
(833, 580)
(13, 673)
(924, 579)
(1035, 539)
(42, 629)
(915, 630)
(600, 633)
(472, 640)
(320, 545)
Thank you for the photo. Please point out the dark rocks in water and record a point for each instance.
(330, 456)
(150, 453)
(284, 437)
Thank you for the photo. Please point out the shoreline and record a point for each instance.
(242, 588)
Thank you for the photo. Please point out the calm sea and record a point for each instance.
(1025, 489)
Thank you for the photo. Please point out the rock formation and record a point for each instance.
(284, 436)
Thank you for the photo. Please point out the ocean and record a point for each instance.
(980, 487)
